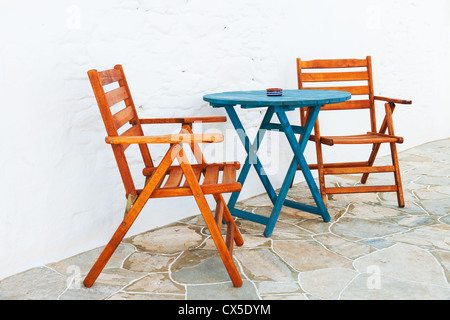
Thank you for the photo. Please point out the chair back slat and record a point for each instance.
(115, 96)
(354, 90)
(357, 80)
(334, 76)
(125, 119)
(109, 76)
(132, 131)
(350, 105)
(336, 63)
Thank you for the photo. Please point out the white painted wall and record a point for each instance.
(61, 193)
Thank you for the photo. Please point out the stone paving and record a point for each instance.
(370, 250)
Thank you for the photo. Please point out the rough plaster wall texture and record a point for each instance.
(61, 190)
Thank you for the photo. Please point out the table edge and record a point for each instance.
(221, 103)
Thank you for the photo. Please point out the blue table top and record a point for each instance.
(290, 98)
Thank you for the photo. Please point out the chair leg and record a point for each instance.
(221, 246)
(209, 220)
(373, 155)
(113, 244)
(398, 179)
(229, 219)
(131, 216)
(130, 202)
(376, 146)
(218, 197)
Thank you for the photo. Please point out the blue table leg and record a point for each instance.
(298, 160)
(298, 149)
(281, 198)
(252, 158)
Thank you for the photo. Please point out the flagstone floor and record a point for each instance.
(370, 250)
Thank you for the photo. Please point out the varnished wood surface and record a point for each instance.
(164, 179)
(310, 76)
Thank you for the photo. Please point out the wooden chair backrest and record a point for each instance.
(124, 120)
(358, 81)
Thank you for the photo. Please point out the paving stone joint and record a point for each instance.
(371, 249)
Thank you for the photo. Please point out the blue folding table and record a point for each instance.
(279, 105)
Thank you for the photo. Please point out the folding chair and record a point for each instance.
(366, 100)
(165, 179)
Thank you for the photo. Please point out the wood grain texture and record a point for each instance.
(109, 76)
(183, 120)
(398, 101)
(335, 76)
(332, 63)
(130, 137)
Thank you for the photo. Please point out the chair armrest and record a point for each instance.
(173, 138)
(183, 120)
(399, 101)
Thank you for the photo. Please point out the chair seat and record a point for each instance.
(368, 138)
(208, 175)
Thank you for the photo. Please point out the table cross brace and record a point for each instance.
(252, 159)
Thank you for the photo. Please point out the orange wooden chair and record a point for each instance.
(366, 100)
(165, 179)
